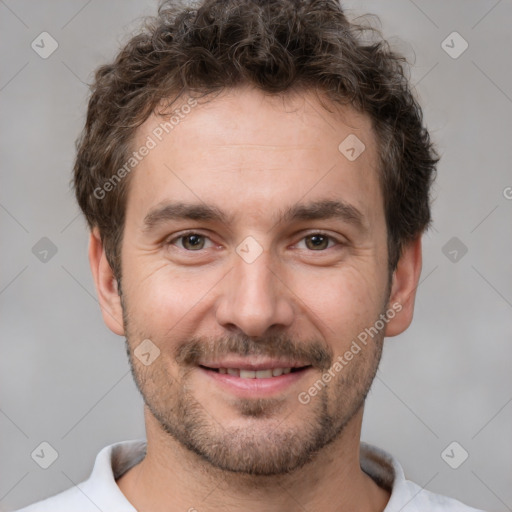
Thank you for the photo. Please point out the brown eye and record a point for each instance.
(317, 242)
(192, 242)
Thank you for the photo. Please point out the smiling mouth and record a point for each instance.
(256, 374)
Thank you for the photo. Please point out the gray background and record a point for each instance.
(65, 377)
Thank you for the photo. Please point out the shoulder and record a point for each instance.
(406, 496)
(414, 498)
(71, 499)
(100, 491)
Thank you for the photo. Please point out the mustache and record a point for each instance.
(198, 348)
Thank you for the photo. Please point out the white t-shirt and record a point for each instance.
(100, 491)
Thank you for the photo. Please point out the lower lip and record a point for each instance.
(247, 388)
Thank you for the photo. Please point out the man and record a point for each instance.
(256, 178)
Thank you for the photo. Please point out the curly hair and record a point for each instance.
(279, 46)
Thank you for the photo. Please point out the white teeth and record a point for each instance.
(255, 374)
(263, 374)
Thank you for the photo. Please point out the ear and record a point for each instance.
(106, 284)
(403, 288)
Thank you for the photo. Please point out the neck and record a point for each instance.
(172, 478)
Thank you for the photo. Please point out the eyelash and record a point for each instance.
(314, 233)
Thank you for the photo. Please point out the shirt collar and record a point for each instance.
(114, 460)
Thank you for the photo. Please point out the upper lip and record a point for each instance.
(253, 364)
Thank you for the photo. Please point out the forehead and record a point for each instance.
(258, 121)
(249, 151)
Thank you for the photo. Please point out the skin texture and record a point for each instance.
(253, 156)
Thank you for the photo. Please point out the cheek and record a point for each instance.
(342, 302)
(162, 300)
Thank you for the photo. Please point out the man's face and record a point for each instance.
(271, 254)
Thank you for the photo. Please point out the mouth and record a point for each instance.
(265, 373)
(255, 379)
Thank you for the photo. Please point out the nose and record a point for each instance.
(254, 298)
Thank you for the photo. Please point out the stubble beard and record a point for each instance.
(268, 443)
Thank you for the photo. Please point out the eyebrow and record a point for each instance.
(182, 211)
(323, 210)
(316, 210)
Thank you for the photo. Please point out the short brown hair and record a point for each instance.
(277, 46)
